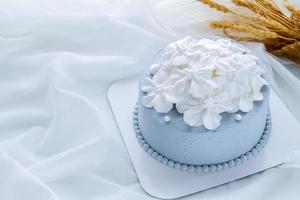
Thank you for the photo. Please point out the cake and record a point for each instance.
(203, 105)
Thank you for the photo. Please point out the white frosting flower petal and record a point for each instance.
(246, 104)
(256, 87)
(171, 95)
(148, 100)
(181, 80)
(154, 68)
(182, 107)
(161, 105)
(181, 86)
(160, 78)
(193, 117)
(219, 108)
(180, 60)
(197, 90)
(177, 74)
(201, 88)
(186, 103)
(148, 85)
(159, 95)
(211, 120)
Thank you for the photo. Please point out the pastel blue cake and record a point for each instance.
(218, 144)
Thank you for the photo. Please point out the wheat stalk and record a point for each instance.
(290, 7)
(290, 51)
(252, 6)
(216, 6)
(243, 28)
(268, 24)
(275, 26)
(270, 4)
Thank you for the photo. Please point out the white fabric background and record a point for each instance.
(58, 137)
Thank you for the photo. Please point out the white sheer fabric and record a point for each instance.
(58, 137)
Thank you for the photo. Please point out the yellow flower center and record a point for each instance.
(214, 73)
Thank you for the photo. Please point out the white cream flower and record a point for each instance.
(197, 81)
(176, 55)
(155, 68)
(206, 113)
(204, 78)
(246, 86)
(159, 94)
(186, 103)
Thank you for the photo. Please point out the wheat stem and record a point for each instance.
(216, 6)
(243, 28)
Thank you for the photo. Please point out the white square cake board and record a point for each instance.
(163, 182)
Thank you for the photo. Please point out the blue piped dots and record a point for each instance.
(171, 163)
(225, 165)
(139, 140)
(138, 132)
(262, 142)
(191, 168)
(159, 158)
(146, 147)
(164, 160)
(142, 142)
(205, 168)
(231, 163)
(150, 151)
(140, 137)
(219, 167)
(243, 158)
(198, 169)
(154, 154)
(248, 155)
(258, 147)
(237, 161)
(177, 165)
(267, 133)
(254, 151)
(184, 167)
(264, 137)
(212, 168)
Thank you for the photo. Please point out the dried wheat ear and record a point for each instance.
(266, 23)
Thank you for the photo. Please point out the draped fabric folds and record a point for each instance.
(58, 137)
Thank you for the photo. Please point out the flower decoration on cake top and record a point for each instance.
(203, 78)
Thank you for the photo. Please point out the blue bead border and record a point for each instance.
(202, 168)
